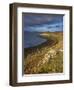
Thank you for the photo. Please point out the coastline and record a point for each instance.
(38, 56)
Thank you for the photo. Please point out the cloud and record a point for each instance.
(37, 19)
(37, 22)
(45, 27)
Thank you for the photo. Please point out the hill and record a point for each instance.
(47, 57)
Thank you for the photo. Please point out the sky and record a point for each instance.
(42, 22)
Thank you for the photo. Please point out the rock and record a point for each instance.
(52, 53)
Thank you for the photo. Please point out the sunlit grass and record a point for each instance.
(35, 61)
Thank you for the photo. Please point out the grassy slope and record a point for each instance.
(35, 61)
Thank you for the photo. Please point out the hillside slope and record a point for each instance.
(47, 57)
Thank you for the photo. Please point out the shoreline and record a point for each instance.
(44, 58)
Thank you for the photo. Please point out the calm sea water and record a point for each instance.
(32, 39)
